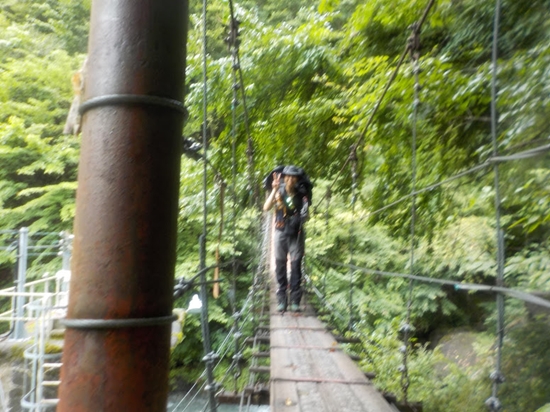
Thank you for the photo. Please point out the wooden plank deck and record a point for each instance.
(310, 372)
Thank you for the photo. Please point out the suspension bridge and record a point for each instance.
(296, 362)
(125, 234)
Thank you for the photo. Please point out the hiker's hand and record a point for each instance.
(276, 181)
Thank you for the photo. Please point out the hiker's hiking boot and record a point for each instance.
(281, 307)
(294, 307)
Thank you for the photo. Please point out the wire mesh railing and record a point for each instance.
(41, 367)
(249, 312)
(31, 307)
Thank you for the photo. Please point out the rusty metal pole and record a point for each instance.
(116, 353)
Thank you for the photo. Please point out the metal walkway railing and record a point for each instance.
(31, 310)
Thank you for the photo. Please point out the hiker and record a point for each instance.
(291, 196)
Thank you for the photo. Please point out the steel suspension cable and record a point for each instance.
(238, 84)
(233, 34)
(224, 347)
(457, 285)
(353, 159)
(233, 41)
(518, 294)
(493, 402)
(250, 150)
(236, 330)
(363, 134)
(209, 357)
(260, 276)
(252, 186)
(406, 328)
(526, 154)
(204, 138)
(327, 220)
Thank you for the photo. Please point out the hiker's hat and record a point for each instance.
(292, 171)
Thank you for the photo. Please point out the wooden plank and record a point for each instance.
(342, 398)
(284, 397)
(309, 370)
(260, 369)
(371, 399)
(311, 399)
(260, 354)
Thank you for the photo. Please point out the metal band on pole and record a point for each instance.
(117, 323)
(115, 99)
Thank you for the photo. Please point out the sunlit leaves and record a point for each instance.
(38, 170)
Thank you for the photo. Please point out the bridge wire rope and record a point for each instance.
(335, 313)
(518, 294)
(353, 150)
(321, 295)
(315, 233)
(493, 403)
(457, 286)
(233, 46)
(411, 49)
(407, 328)
(181, 288)
(353, 165)
(260, 285)
(327, 220)
(233, 40)
(216, 286)
(482, 166)
(239, 84)
(209, 356)
(224, 346)
(363, 134)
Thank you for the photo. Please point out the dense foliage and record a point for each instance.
(312, 74)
